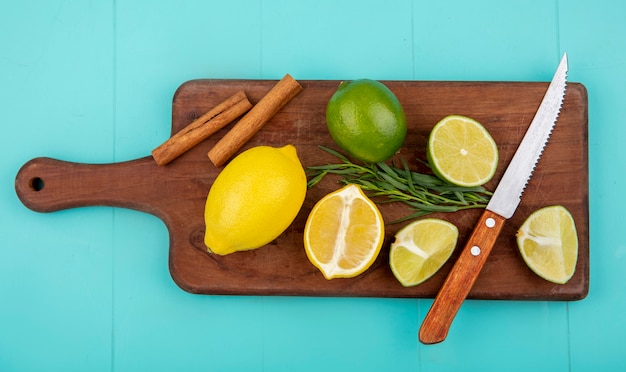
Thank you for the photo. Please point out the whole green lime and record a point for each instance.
(366, 120)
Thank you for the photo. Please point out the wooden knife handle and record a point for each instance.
(461, 278)
(48, 185)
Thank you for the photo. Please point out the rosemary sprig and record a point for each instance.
(423, 193)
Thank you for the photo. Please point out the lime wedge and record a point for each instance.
(548, 243)
(420, 250)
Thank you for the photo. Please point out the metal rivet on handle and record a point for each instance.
(490, 222)
(475, 250)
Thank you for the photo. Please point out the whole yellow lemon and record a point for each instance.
(254, 199)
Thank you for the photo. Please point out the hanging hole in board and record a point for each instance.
(36, 184)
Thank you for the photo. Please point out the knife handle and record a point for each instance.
(461, 278)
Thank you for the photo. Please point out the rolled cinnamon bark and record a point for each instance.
(201, 128)
(254, 120)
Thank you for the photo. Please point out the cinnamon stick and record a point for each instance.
(253, 121)
(201, 128)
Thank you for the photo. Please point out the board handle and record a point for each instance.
(48, 185)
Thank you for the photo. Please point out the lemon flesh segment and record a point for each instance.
(344, 233)
(420, 249)
(462, 152)
(548, 243)
(254, 199)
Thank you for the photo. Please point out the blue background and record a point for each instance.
(92, 81)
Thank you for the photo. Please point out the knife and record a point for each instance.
(501, 206)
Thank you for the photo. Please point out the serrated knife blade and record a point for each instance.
(501, 206)
(508, 194)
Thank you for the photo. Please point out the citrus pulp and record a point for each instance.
(548, 243)
(420, 250)
(462, 152)
(344, 233)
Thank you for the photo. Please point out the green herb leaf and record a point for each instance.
(422, 193)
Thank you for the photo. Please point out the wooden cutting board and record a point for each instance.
(176, 193)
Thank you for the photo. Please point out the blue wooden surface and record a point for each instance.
(92, 81)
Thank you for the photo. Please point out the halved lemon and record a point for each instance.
(461, 151)
(420, 250)
(344, 233)
(548, 243)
